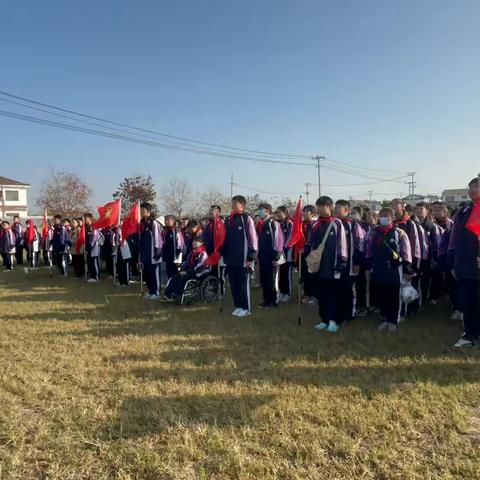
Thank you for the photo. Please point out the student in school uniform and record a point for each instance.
(442, 277)
(46, 244)
(192, 230)
(19, 232)
(60, 243)
(7, 246)
(464, 253)
(109, 248)
(209, 242)
(270, 254)
(308, 279)
(193, 267)
(333, 263)
(355, 257)
(403, 220)
(78, 261)
(151, 245)
(123, 258)
(389, 256)
(286, 269)
(173, 246)
(359, 214)
(32, 244)
(239, 252)
(432, 237)
(93, 238)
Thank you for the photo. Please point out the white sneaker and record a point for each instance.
(92, 280)
(383, 326)
(286, 298)
(306, 300)
(463, 342)
(457, 315)
(237, 311)
(312, 301)
(243, 313)
(280, 297)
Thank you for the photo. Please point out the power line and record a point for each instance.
(166, 135)
(43, 121)
(351, 165)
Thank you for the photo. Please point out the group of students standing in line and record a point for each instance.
(366, 258)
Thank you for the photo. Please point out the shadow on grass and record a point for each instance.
(139, 416)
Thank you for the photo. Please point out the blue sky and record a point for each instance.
(393, 85)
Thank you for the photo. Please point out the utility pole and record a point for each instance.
(231, 185)
(306, 190)
(411, 187)
(318, 158)
(370, 193)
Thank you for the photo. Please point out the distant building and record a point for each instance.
(373, 204)
(453, 197)
(420, 198)
(13, 198)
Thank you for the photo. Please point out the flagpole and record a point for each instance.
(139, 263)
(299, 304)
(116, 246)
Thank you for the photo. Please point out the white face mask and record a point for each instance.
(384, 221)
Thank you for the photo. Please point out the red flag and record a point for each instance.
(473, 222)
(30, 232)
(131, 223)
(81, 238)
(45, 225)
(219, 234)
(109, 215)
(297, 239)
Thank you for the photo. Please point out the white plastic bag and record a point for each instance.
(408, 292)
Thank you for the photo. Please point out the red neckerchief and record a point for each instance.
(306, 224)
(348, 220)
(233, 215)
(195, 253)
(403, 220)
(321, 220)
(384, 232)
(259, 226)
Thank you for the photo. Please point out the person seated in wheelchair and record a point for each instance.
(194, 267)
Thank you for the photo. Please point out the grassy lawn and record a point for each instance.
(97, 383)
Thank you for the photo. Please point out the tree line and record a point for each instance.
(66, 194)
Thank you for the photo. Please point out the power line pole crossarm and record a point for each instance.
(318, 158)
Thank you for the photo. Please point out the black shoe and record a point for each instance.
(266, 305)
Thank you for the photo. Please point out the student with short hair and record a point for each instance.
(239, 252)
(193, 267)
(388, 254)
(355, 249)
(31, 240)
(464, 253)
(442, 277)
(60, 243)
(270, 252)
(18, 231)
(307, 278)
(192, 230)
(403, 220)
(285, 283)
(173, 246)
(7, 246)
(333, 262)
(151, 245)
(78, 261)
(92, 248)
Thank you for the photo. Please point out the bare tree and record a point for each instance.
(132, 189)
(212, 196)
(176, 197)
(64, 193)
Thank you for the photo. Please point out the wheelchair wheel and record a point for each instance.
(190, 292)
(209, 289)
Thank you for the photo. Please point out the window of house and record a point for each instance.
(11, 195)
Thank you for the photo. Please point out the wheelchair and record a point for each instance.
(205, 288)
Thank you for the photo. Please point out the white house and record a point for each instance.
(13, 198)
(454, 197)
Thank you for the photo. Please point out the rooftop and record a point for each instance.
(9, 181)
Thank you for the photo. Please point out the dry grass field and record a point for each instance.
(97, 383)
